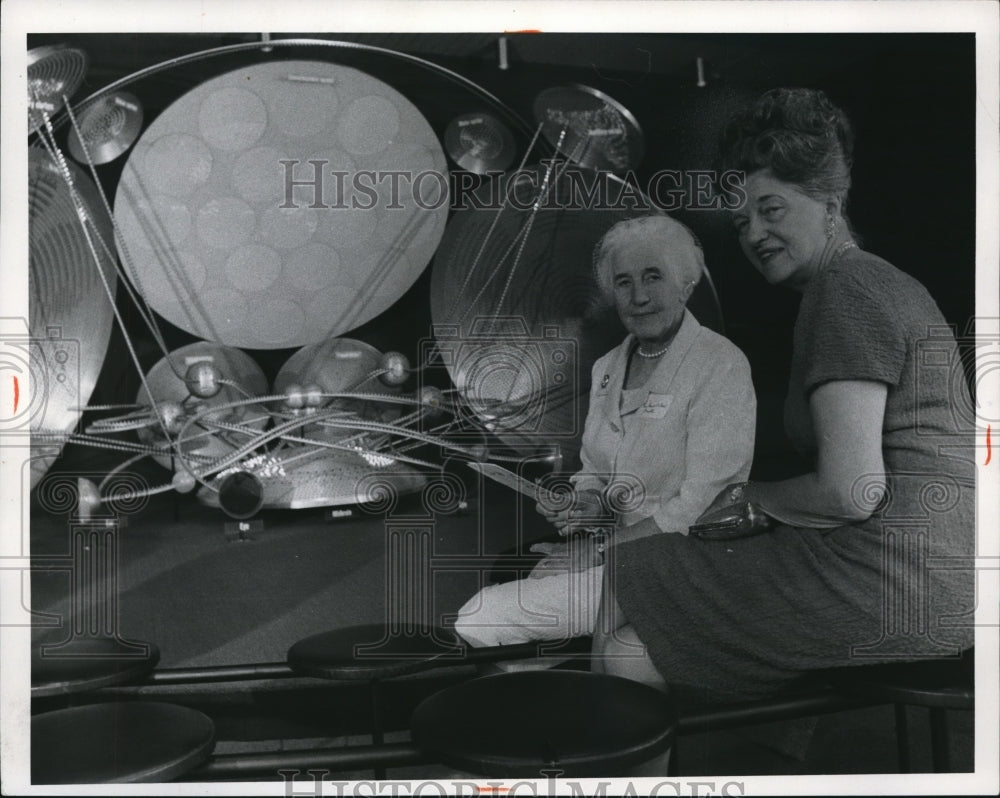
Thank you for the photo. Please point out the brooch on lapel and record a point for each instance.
(606, 380)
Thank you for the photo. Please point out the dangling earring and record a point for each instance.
(831, 226)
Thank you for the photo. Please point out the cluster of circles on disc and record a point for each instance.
(237, 236)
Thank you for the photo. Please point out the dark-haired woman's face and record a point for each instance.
(782, 231)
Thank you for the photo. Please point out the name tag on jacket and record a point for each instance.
(656, 405)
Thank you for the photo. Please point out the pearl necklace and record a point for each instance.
(640, 353)
(842, 249)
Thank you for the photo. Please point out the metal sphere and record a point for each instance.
(171, 416)
(88, 498)
(396, 368)
(313, 395)
(203, 380)
(184, 481)
(294, 396)
(432, 400)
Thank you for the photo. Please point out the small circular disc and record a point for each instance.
(479, 143)
(108, 128)
(54, 71)
(590, 128)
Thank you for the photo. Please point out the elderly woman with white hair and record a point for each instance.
(672, 417)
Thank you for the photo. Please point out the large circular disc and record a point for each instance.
(282, 203)
(244, 379)
(69, 307)
(519, 337)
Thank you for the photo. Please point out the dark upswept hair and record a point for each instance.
(799, 135)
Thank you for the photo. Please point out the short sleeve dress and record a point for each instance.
(742, 618)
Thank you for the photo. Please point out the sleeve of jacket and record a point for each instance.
(587, 477)
(721, 423)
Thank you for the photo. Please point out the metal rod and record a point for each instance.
(902, 739)
(220, 673)
(726, 717)
(359, 757)
(378, 738)
(940, 743)
(282, 670)
(272, 44)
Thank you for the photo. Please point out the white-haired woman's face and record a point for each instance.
(649, 293)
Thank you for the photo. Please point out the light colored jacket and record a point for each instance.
(685, 435)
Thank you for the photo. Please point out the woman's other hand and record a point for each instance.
(585, 509)
(726, 504)
(582, 552)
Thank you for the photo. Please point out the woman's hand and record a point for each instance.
(585, 509)
(726, 504)
(579, 554)
(731, 515)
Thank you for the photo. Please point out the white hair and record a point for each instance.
(673, 235)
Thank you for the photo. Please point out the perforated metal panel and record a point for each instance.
(230, 250)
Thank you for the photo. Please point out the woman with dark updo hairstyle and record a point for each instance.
(846, 564)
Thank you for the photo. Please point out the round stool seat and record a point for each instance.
(135, 741)
(88, 664)
(934, 683)
(369, 652)
(519, 724)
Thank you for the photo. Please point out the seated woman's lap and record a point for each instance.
(747, 616)
(554, 607)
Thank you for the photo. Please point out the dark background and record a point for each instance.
(911, 98)
(207, 601)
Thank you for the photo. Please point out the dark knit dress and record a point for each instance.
(746, 617)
